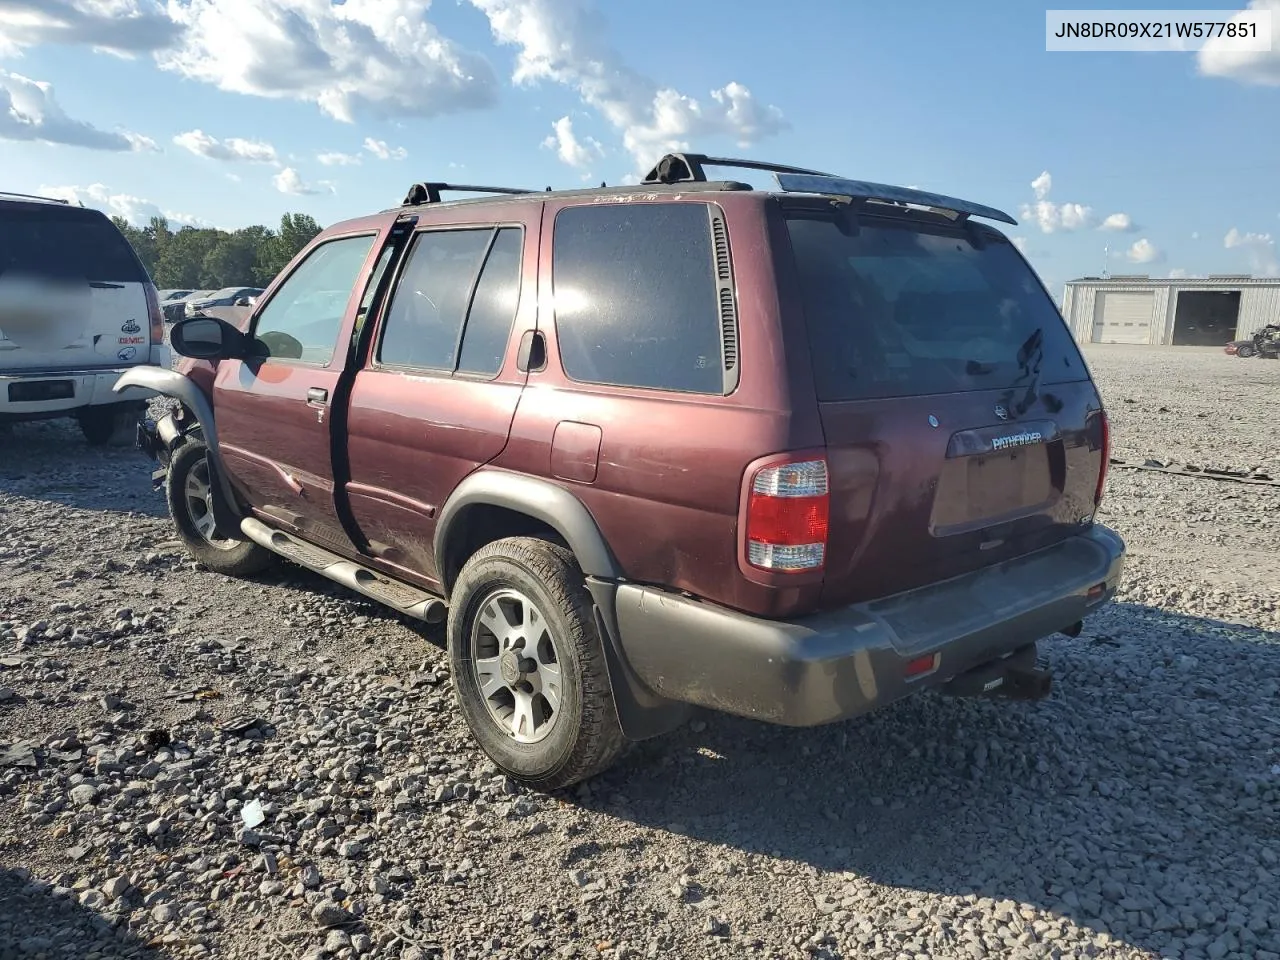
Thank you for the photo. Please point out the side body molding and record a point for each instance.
(182, 388)
(539, 499)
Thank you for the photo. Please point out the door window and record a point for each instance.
(302, 319)
(455, 302)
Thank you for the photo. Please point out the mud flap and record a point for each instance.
(642, 714)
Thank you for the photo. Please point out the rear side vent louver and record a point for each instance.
(724, 293)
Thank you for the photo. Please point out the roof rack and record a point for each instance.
(860, 190)
(32, 196)
(429, 191)
(688, 168)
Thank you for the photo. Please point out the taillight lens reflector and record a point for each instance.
(788, 516)
(155, 314)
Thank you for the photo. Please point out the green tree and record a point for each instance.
(296, 231)
(206, 259)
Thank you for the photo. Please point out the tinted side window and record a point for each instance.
(62, 241)
(636, 297)
(424, 320)
(493, 308)
(301, 320)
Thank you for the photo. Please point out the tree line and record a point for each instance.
(200, 258)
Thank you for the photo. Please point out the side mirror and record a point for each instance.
(246, 301)
(208, 338)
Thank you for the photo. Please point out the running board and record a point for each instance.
(376, 586)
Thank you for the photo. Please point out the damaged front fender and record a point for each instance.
(188, 393)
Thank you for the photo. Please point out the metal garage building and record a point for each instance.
(1192, 312)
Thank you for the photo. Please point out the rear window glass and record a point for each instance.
(635, 296)
(61, 241)
(899, 308)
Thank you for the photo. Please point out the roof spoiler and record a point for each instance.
(861, 190)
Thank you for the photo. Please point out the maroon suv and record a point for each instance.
(789, 453)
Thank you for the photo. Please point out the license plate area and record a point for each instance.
(991, 488)
(34, 391)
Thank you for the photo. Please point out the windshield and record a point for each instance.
(902, 308)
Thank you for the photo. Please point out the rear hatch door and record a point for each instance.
(72, 291)
(961, 421)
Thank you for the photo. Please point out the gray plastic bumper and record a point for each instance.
(846, 662)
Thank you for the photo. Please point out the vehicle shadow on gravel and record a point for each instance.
(36, 922)
(1139, 800)
(50, 461)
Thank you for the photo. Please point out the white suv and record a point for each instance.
(77, 309)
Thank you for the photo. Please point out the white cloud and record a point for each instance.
(571, 150)
(1051, 217)
(1219, 57)
(380, 149)
(1042, 185)
(1195, 234)
(123, 27)
(362, 57)
(30, 111)
(134, 209)
(232, 148)
(564, 41)
(1020, 243)
(1144, 251)
(335, 158)
(1259, 248)
(1177, 273)
(288, 180)
(1119, 223)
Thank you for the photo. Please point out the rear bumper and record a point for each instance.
(57, 392)
(846, 662)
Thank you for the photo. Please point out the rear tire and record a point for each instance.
(190, 496)
(1246, 350)
(528, 667)
(98, 424)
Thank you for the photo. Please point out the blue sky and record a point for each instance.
(225, 112)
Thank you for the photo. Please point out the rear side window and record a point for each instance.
(54, 240)
(636, 296)
(455, 302)
(903, 308)
(493, 308)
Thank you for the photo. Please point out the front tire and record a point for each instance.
(190, 495)
(528, 667)
(1246, 350)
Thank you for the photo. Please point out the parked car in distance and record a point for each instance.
(175, 309)
(790, 454)
(76, 310)
(168, 295)
(226, 297)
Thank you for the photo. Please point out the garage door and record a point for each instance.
(1123, 317)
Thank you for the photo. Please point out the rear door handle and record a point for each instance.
(317, 395)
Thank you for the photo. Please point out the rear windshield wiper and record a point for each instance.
(1030, 356)
(105, 285)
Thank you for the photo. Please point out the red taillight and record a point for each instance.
(787, 516)
(1105, 426)
(156, 316)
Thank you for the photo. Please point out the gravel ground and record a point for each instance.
(150, 710)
